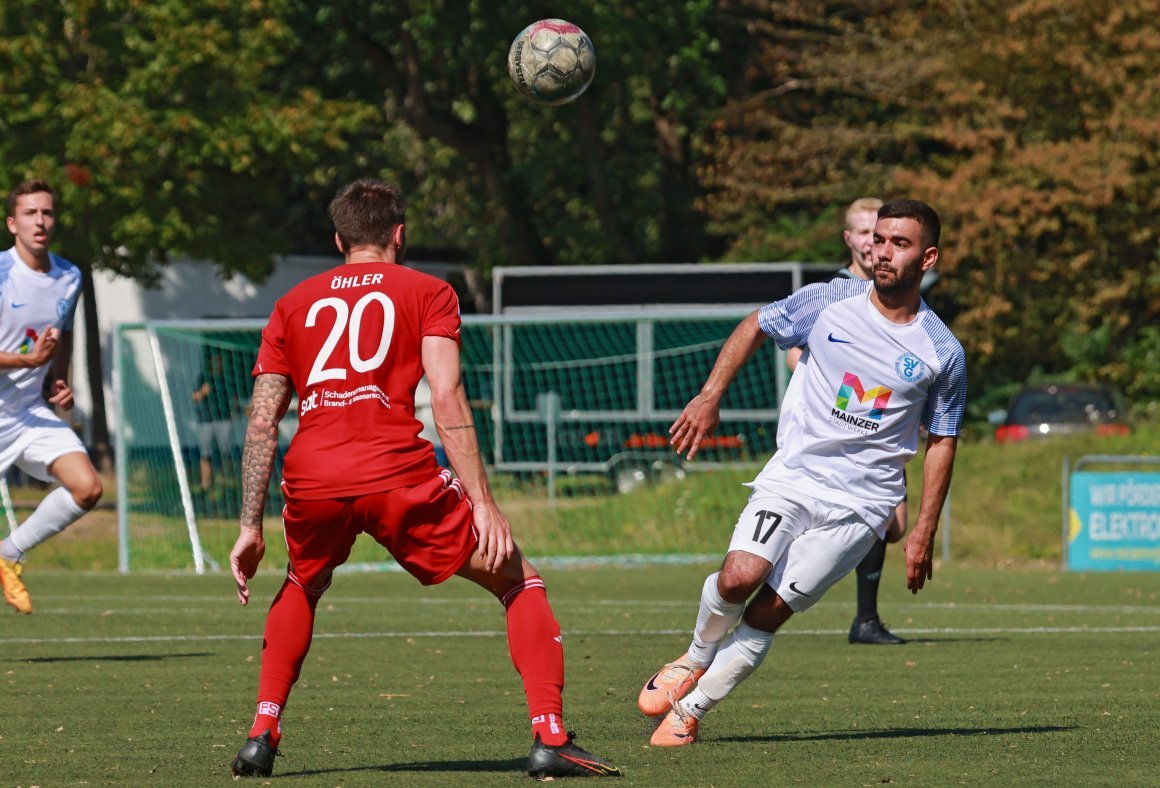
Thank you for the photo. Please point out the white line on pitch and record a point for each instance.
(635, 604)
(572, 634)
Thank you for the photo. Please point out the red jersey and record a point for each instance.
(350, 340)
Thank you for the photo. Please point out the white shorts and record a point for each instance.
(37, 447)
(214, 433)
(811, 544)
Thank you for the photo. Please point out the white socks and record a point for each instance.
(56, 512)
(714, 619)
(740, 655)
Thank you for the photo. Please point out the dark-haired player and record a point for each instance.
(879, 363)
(867, 627)
(353, 343)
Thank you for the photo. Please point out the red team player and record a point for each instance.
(353, 344)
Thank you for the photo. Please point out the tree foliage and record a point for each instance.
(166, 126)
(609, 178)
(1033, 127)
(166, 130)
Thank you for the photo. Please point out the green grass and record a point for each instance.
(1014, 675)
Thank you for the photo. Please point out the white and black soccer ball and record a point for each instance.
(552, 61)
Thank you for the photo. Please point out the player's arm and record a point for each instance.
(936, 481)
(63, 358)
(60, 393)
(699, 418)
(456, 428)
(271, 399)
(43, 351)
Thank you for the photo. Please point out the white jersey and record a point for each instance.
(850, 419)
(30, 302)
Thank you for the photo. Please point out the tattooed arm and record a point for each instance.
(269, 404)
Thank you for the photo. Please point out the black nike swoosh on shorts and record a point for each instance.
(793, 587)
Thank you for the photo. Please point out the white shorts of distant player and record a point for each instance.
(37, 447)
(214, 433)
(811, 543)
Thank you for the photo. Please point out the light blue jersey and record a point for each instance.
(30, 302)
(851, 417)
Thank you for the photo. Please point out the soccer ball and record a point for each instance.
(552, 61)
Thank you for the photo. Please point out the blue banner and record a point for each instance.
(1114, 521)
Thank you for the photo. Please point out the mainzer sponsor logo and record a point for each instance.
(852, 390)
(854, 421)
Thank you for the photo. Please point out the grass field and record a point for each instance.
(1013, 676)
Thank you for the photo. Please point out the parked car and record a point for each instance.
(1061, 409)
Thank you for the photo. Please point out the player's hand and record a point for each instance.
(696, 422)
(495, 536)
(62, 395)
(919, 560)
(44, 347)
(244, 559)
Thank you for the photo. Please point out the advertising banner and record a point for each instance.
(1114, 521)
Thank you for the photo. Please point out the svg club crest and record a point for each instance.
(61, 307)
(909, 367)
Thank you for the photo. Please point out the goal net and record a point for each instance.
(572, 414)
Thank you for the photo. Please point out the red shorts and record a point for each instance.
(428, 529)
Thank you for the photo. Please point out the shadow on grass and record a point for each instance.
(932, 640)
(451, 767)
(897, 733)
(118, 658)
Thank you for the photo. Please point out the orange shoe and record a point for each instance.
(15, 593)
(668, 685)
(677, 729)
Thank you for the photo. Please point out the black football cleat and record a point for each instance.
(567, 760)
(256, 758)
(872, 632)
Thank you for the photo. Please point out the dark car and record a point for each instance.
(1061, 409)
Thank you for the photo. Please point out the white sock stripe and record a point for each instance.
(309, 591)
(531, 582)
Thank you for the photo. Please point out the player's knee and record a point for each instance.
(88, 493)
(741, 575)
(736, 585)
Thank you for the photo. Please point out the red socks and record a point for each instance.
(538, 655)
(289, 629)
(268, 718)
(550, 728)
(533, 639)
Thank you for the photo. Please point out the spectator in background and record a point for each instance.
(213, 410)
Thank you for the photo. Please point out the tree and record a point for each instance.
(168, 130)
(608, 178)
(1034, 128)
